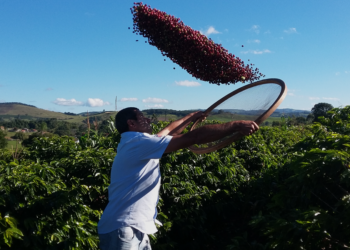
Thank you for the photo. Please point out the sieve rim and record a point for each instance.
(236, 136)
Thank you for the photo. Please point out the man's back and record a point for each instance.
(135, 183)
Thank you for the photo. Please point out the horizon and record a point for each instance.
(104, 110)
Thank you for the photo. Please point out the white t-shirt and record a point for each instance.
(135, 182)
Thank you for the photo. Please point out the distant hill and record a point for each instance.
(96, 113)
(30, 112)
(291, 112)
(23, 111)
(277, 113)
(19, 103)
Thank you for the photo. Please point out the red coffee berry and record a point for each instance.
(194, 52)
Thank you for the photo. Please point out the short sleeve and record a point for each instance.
(152, 146)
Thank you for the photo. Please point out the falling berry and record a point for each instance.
(128, 27)
(164, 59)
(192, 51)
(137, 40)
(242, 45)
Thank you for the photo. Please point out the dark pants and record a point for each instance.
(125, 238)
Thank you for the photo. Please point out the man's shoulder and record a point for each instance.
(138, 137)
(132, 134)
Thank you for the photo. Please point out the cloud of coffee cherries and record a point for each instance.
(194, 52)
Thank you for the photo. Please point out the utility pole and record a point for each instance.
(116, 103)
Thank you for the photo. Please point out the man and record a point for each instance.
(135, 178)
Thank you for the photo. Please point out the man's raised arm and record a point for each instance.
(210, 133)
(176, 127)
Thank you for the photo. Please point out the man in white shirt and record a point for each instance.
(135, 178)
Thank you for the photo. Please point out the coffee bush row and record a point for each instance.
(284, 187)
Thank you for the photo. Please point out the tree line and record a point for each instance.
(52, 126)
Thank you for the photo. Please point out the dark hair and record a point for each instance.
(122, 117)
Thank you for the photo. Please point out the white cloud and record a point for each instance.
(155, 100)
(255, 28)
(91, 102)
(290, 31)
(314, 98)
(330, 98)
(49, 89)
(64, 102)
(131, 99)
(267, 32)
(210, 30)
(257, 52)
(187, 83)
(96, 102)
(291, 92)
(254, 41)
(346, 72)
(337, 73)
(154, 106)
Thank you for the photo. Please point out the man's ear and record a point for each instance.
(130, 123)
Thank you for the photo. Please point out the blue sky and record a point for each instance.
(74, 55)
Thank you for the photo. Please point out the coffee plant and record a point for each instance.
(285, 187)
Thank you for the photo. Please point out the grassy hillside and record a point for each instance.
(27, 112)
(8, 111)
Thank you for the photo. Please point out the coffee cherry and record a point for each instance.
(194, 52)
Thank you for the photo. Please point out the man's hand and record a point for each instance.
(197, 115)
(247, 127)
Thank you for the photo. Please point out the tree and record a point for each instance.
(320, 109)
(20, 136)
(310, 117)
(3, 141)
(276, 123)
(43, 126)
(300, 120)
(30, 139)
(63, 129)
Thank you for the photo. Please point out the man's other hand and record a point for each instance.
(247, 127)
(199, 115)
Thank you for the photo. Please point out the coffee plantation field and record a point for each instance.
(285, 187)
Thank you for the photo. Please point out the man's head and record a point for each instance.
(132, 119)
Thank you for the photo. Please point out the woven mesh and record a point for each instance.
(250, 104)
